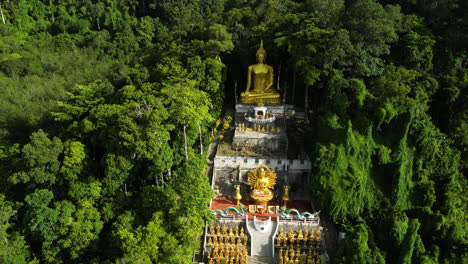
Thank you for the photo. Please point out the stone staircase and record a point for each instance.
(261, 242)
(262, 260)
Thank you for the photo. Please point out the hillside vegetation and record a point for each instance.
(106, 107)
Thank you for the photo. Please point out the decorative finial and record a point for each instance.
(261, 50)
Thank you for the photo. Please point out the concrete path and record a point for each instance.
(261, 239)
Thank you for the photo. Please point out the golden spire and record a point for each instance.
(261, 50)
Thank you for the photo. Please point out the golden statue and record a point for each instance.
(261, 180)
(217, 230)
(286, 196)
(317, 233)
(212, 231)
(306, 238)
(312, 239)
(291, 236)
(281, 236)
(291, 253)
(260, 90)
(237, 196)
(300, 237)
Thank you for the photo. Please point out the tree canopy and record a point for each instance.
(105, 108)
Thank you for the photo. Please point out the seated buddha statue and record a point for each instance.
(261, 180)
(260, 82)
(261, 194)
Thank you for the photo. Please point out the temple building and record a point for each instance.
(263, 207)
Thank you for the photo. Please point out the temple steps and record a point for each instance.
(261, 260)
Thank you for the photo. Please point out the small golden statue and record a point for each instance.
(224, 230)
(281, 236)
(312, 239)
(286, 196)
(217, 230)
(291, 253)
(261, 180)
(291, 236)
(237, 196)
(236, 231)
(246, 239)
(306, 238)
(300, 237)
(262, 75)
(241, 231)
(212, 231)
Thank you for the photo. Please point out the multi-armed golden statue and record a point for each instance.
(262, 89)
(262, 179)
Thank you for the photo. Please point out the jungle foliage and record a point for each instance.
(105, 105)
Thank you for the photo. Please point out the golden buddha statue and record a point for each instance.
(291, 237)
(261, 180)
(246, 239)
(260, 90)
(300, 237)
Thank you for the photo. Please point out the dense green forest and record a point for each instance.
(106, 109)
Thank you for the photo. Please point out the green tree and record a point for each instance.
(40, 160)
(13, 247)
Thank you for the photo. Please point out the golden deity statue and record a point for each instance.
(237, 196)
(261, 180)
(260, 82)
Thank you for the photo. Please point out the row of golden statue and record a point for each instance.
(224, 230)
(302, 238)
(227, 255)
(259, 128)
(292, 256)
(223, 235)
(214, 240)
